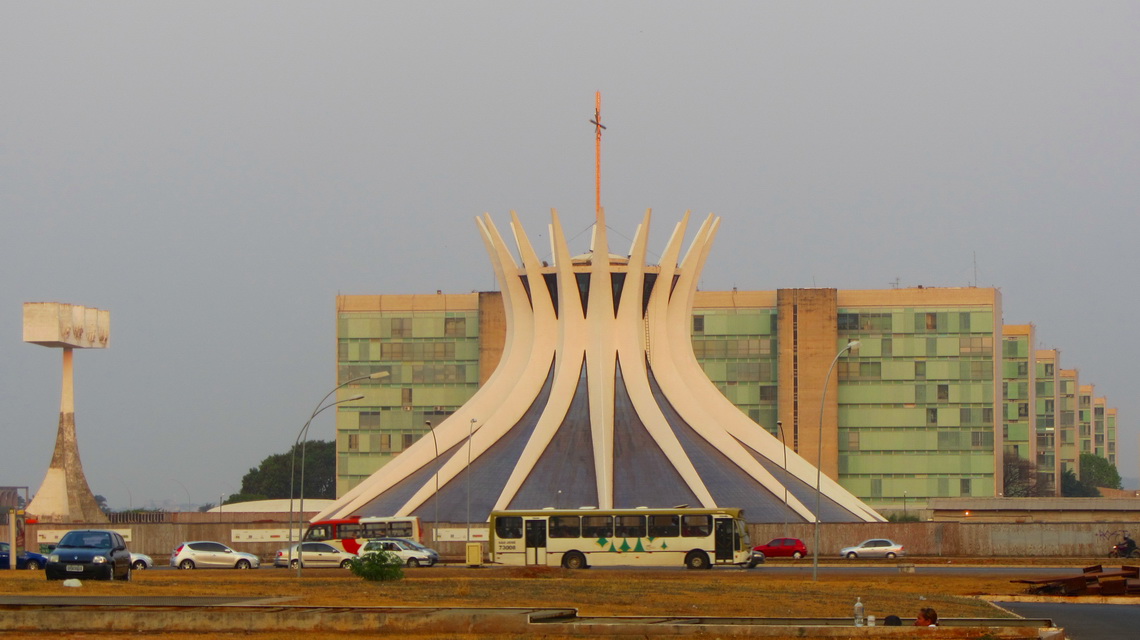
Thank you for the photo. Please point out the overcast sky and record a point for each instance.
(215, 173)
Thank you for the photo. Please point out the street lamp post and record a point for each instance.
(301, 505)
(784, 481)
(130, 498)
(819, 457)
(435, 497)
(470, 433)
(189, 505)
(302, 439)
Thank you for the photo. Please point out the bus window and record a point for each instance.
(376, 530)
(565, 527)
(664, 526)
(597, 526)
(696, 526)
(508, 527)
(348, 531)
(630, 527)
(402, 529)
(316, 534)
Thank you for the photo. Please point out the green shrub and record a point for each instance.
(899, 517)
(377, 566)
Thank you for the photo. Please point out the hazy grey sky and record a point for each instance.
(215, 173)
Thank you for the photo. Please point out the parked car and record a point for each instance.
(313, 554)
(140, 561)
(26, 560)
(873, 548)
(205, 554)
(409, 552)
(90, 553)
(783, 548)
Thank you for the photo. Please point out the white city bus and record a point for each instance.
(580, 538)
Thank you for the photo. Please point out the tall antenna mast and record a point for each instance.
(598, 126)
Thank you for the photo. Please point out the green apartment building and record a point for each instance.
(430, 347)
(1110, 434)
(1048, 399)
(1069, 452)
(1098, 428)
(1085, 418)
(918, 401)
(1019, 373)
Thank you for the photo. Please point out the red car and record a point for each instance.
(783, 548)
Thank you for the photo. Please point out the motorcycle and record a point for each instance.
(1121, 551)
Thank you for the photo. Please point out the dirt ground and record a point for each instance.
(717, 592)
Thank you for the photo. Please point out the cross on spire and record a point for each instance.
(598, 126)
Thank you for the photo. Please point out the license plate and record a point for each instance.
(75, 568)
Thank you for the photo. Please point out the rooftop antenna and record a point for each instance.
(598, 127)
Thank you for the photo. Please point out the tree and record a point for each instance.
(102, 502)
(271, 477)
(1099, 472)
(1072, 487)
(243, 497)
(1020, 476)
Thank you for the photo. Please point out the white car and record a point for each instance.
(206, 554)
(873, 548)
(313, 554)
(409, 552)
(140, 561)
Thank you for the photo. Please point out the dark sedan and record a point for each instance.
(90, 553)
(26, 560)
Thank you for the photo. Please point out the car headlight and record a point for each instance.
(53, 557)
(99, 559)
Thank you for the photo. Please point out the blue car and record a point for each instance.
(26, 560)
(90, 553)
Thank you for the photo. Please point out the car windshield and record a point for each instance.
(86, 540)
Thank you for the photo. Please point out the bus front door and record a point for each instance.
(536, 542)
(723, 538)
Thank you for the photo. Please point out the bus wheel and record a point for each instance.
(574, 560)
(697, 560)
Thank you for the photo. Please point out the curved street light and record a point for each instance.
(784, 441)
(435, 497)
(470, 433)
(301, 507)
(302, 439)
(189, 505)
(819, 456)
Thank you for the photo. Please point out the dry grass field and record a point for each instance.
(718, 592)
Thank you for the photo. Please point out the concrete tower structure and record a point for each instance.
(64, 495)
(598, 400)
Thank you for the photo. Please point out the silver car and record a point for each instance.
(409, 552)
(313, 554)
(873, 548)
(211, 555)
(141, 561)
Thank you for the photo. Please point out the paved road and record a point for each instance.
(1084, 621)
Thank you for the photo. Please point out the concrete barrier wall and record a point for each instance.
(951, 539)
(961, 539)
